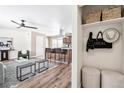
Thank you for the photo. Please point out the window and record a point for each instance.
(46, 39)
(60, 42)
(57, 43)
(54, 43)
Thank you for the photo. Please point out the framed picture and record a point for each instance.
(6, 43)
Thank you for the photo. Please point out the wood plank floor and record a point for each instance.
(58, 77)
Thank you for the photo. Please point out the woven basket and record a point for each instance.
(111, 13)
(93, 16)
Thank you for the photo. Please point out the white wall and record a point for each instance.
(74, 49)
(77, 51)
(27, 35)
(40, 45)
(20, 40)
(103, 58)
(122, 53)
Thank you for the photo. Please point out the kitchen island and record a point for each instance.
(62, 55)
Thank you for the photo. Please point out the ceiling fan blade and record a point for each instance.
(31, 27)
(15, 22)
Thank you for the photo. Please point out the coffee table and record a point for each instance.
(19, 69)
(44, 67)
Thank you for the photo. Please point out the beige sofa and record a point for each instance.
(2, 73)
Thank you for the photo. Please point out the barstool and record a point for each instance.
(63, 53)
(52, 51)
(58, 53)
(47, 53)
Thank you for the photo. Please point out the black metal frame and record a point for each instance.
(2, 55)
(45, 67)
(19, 71)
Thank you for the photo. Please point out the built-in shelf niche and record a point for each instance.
(86, 8)
(96, 57)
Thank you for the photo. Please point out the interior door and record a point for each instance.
(40, 46)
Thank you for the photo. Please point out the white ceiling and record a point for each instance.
(48, 18)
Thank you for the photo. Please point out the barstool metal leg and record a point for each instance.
(20, 74)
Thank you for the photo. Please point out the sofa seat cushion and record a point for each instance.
(112, 79)
(90, 77)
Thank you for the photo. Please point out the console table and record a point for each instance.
(4, 55)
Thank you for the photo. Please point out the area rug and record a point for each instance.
(11, 80)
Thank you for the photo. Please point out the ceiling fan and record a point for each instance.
(22, 24)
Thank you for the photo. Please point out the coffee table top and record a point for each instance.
(41, 61)
(33, 60)
(28, 64)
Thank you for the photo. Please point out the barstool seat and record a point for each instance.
(52, 51)
(58, 53)
(47, 53)
(63, 53)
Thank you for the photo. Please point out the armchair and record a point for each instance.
(24, 54)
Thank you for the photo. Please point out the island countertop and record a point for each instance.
(66, 48)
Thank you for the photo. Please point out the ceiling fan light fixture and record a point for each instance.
(23, 25)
